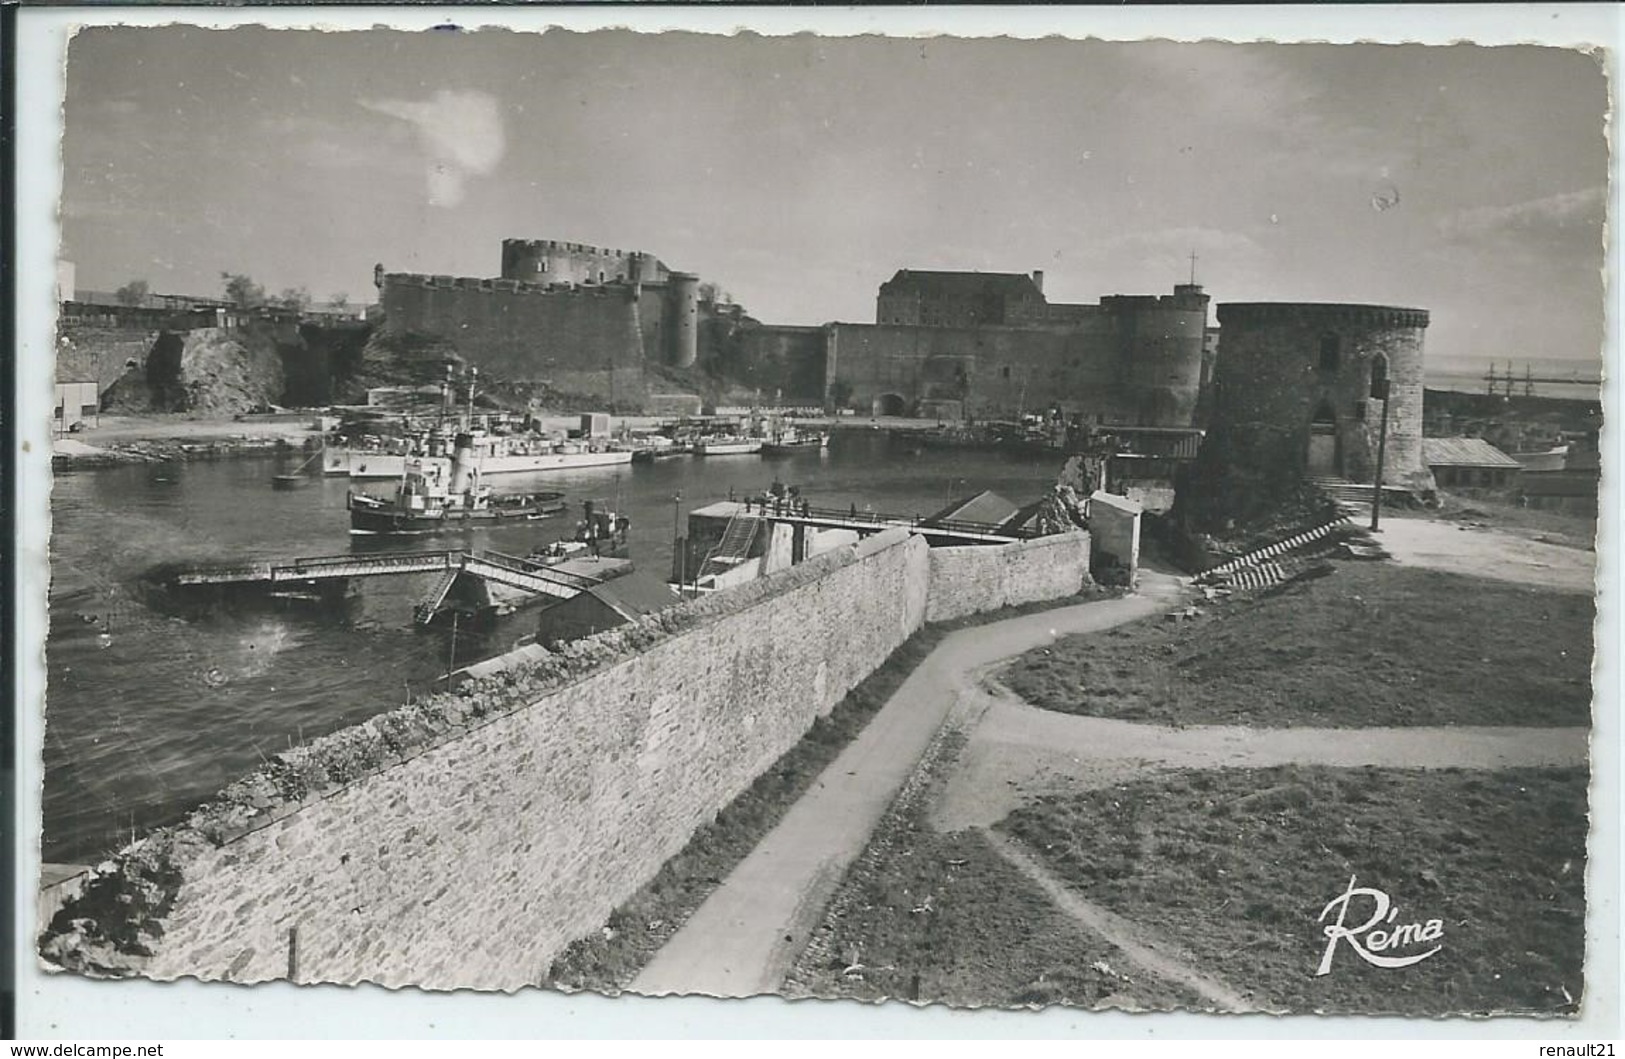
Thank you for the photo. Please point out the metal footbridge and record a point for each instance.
(873, 522)
(491, 566)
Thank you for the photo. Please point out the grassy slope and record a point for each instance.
(1239, 864)
(1371, 645)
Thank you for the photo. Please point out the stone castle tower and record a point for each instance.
(1297, 393)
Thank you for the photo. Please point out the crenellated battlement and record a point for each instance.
(558, 246)
(500, 286)
(1244, 314)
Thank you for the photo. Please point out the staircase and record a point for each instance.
(734, 547)
(429, 605)
(1355, 497)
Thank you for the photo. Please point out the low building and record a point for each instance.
(76, 402)
(604, 606)
(1469, 463)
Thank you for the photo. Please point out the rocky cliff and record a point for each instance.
(210, 371)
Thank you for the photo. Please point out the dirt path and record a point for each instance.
(1460, 549)
(742, 940)
(1018, 751)
(1143, 946)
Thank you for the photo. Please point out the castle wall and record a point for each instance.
(1270, 385)
(587, 341)
(785, 361)
(1132, 360)
(452, 849)
(995, 371)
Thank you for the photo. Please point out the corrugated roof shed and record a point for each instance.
(1464, 452)
(635, 594)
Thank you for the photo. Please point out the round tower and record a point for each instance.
(1299, 392)
(1159, 348)
(525, 260)
(683, 303)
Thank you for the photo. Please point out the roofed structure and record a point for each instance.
(1464, 452)
(960, 299)
(1471, 462)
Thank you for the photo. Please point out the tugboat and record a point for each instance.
(431, 500)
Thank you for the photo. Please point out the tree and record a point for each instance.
(341, 300)
(712, 294)
(242, 291)
(132, 293)
(296, 298)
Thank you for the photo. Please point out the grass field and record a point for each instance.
(944, 919)
(1371, 645)
(1239, 864)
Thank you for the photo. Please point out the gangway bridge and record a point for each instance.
(865, 522)
(492, 566)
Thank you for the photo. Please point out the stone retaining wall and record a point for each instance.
(464, 845)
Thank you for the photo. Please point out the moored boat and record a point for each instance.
(788, 441)
(601, 533)
(431, 499)
(727, 445)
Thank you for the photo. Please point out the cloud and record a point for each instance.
(1536, 219)
(460, 133)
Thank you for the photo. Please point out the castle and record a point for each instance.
(586, 320)
(579, 318)
(982, 345)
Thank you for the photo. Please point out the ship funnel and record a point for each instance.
(463, 472)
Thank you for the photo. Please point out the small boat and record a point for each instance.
(789, 440)
(727, 445)
(298, 478)
(430, 499)
(601, 533)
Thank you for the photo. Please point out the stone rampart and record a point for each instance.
(469, 862)
(585, 340)
(463, 841)
(976, 579)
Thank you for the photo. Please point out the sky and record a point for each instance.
(799, 173)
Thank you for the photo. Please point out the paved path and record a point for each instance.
(742, 940)
(1462, 549)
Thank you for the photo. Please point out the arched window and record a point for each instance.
(1379, 377)
(1330, 349)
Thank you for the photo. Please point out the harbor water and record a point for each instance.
(149, 710)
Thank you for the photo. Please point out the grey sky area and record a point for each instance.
(800, 172)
